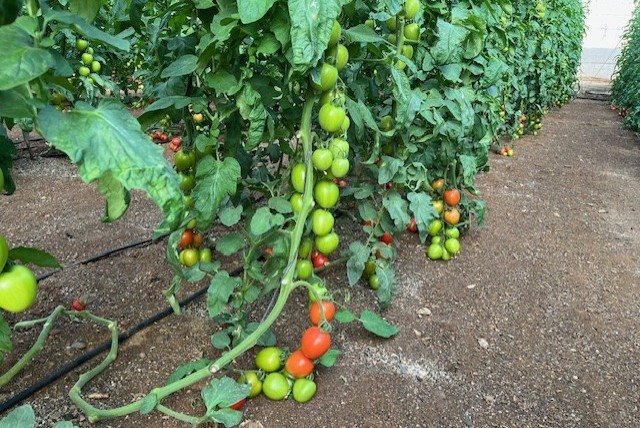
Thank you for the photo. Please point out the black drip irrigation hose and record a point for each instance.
(122, 337)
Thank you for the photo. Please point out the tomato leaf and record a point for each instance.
(355, 265)
(21, 417)
(220, 394)
(107, 141)
(423, 211)
(329, 358)
(186, 369)
(215, 180)
(345, 316)
(263, 221)
(64, 424)
(387, 285)
(362, 34)
(268, 338)
(15, 103)
(80, 26)
(86, 9)
(252, 10)
(5, 338)
(373, 323)
(220, 289)
(230, 243)
(448, 48)
(311, 24)
(390, 167)
(20, 61)
(397, 208)
(280, 205)
(220, 340)
(148, 404)
(186, 64)
(34, 256)
(230, 216)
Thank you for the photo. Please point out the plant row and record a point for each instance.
(626, 84)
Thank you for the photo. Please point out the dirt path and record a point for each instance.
(535, 324)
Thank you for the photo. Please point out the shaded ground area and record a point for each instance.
(534, 324)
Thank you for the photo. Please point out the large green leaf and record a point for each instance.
(107, 143)
(82, 27)
(21, 417)
(311, 23)
(20, 61)
(86, 9)
(215, 180)
(252, 10)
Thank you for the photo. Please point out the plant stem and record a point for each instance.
(286, 286)
(36, 348)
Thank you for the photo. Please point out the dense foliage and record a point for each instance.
(288, 113)
(626, 83)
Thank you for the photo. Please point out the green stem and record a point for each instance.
(36, 348)
(286, 287)
(180, 416)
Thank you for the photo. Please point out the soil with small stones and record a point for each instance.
(534, 324)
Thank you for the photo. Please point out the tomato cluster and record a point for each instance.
(443, 231)
(281, 374)
(18, 284)
(190, 247)
(89, 64)
(410, 34)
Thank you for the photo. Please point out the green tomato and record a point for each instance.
(304, 269)
(401, 65)
(250, 377)
(435, 227)
(205, 255)
(328, 243)
(322, 159)
(304, 390)
(297, 177)
(333, 97)
(275, 386)
(90, 50)
(269, 359)
(305, 248)
(322, 222)
(84, 71)
(407, 50)
(328, 78)
(346, 123)
(192, 224)
(435, 251)
(339, 148)
(392, 39)
(188, 201)
(18, 289)
(452, 232)
(340, 54)
(374, 282)
(436, 240)
(411, 8)
(4, 249)
(190, 256)
(87, 58)
(331, 118)
(446, 256)
(326, 193)
(412, 31)
(370, 23)
(184, 160)
(81, 44)
(95, 66)
(187, 182)
(336, 31)
(340, 167)
(386, 123)
(296, 202)
(452, 245)
(392, 23)
(369, 268)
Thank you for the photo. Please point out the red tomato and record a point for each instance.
(413, 226)
(238, 405)
(314, 312)
(451, 197)
(187, 238)
(318, 259)
(315, 343)
(298, 365)
(386, 238)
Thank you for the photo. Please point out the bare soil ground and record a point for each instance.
(534, 324)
